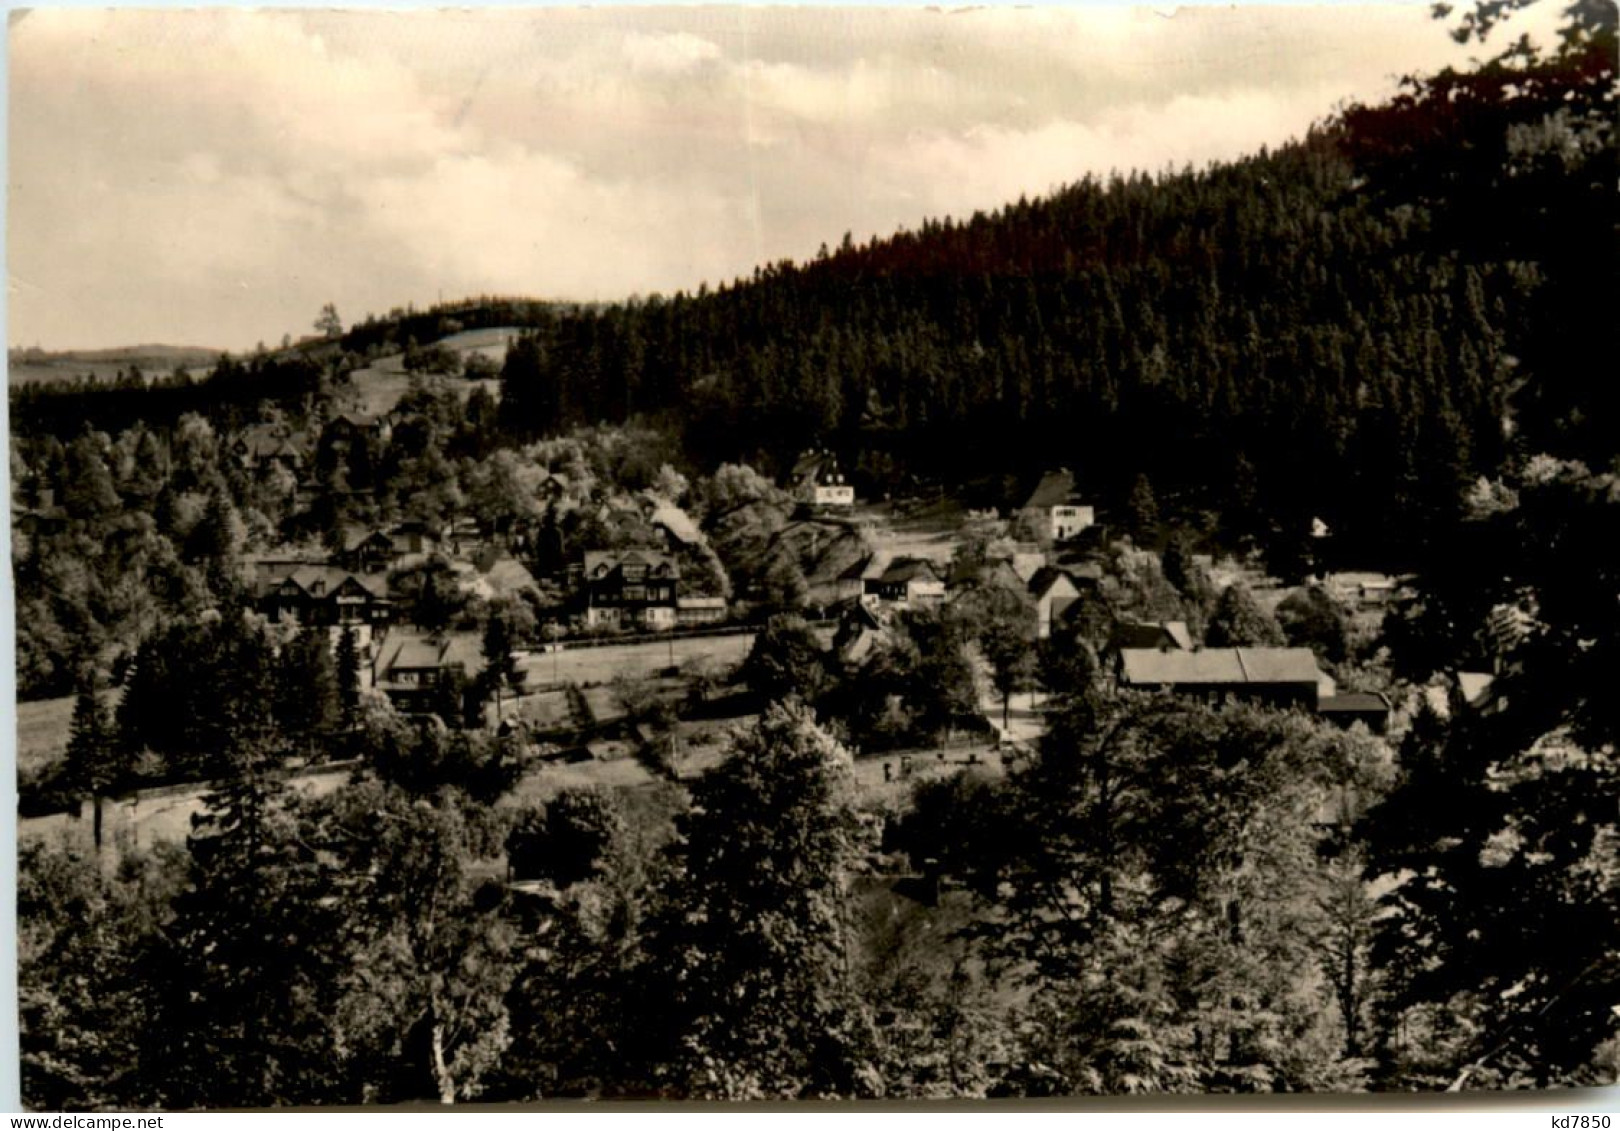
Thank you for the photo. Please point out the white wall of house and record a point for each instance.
(1069, 521)
(1050, 605)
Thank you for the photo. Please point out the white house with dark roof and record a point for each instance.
(906, 582)
(817, 479)
(1063, 516)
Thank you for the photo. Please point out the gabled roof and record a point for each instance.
(902, 571)
(410, 651)
(266, 441)
(809, 463)
(618, 559)
(861, 629)
(818, 467)
(356, 419)
(1151, 634)
(334, 578)
(677, 522)
(1475, 687)
(860, 569)
(417, 652)
(306, 578)
(1358, 702)
(1026, 563)
(356, 536)
(507, 575)
(1045, 579)
(1054, 490)
(1152, 667)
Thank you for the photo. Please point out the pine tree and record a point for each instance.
(1142, 510)
(501, 672)
(93, 764)
(251, 975)
(347, 663)
(308, 706)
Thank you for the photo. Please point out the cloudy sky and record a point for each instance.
(212, 178)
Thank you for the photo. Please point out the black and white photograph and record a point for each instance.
(878, 554)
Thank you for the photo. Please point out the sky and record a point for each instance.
(213, 178)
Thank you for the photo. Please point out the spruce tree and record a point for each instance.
(252, 970)
(347, 662)
(93, 764)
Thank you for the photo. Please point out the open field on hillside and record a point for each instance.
(914, 528)
(43, 727)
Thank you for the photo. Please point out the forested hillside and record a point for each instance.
(1346, 328)
(1351, 327)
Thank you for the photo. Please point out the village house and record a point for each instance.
(495, 575)
(862, 629)
(464, 536)
(365, 550)
(675, 527)
(906, 583)
(1277, 677)
(376, 549)
(551, 487)
(692, 612)
(817, 480)
(1053, 591)
(346, 429)
(1369, 708)
(850, 584)
(412, 670)
(1161, 635)
(1057, 509)
(316, 595)
(628, 587)
(260, 570)
(1462, 692)
(1024, 558)
(262, 446)
(414, 537)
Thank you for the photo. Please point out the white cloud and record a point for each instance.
(214, 177)
(674, 54)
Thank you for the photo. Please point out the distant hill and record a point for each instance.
(31, 366)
